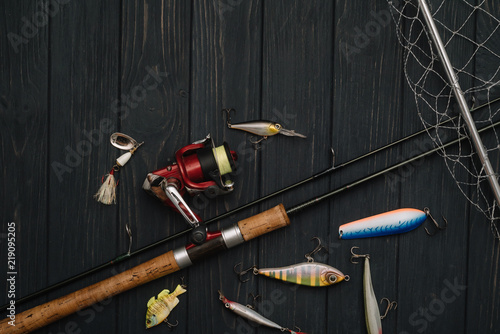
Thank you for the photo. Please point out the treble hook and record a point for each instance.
(296, 329)
(436, 225)
(254, 299)
(228, 116)
(356, 256)
(390, 306)
(243, 272)
(182, 282)
(308, 256)
(256, 142)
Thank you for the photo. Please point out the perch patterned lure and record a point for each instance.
(160, 308)
(392, 222)
(248, 313)
(308, 273)
(261, 128)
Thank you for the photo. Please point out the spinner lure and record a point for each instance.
(107, 191)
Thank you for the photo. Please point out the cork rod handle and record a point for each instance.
(54, 310)
(160, 266)
(264, 222)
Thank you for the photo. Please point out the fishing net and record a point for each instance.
(470, 31)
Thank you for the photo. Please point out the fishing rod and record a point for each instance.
(125, 256)
(182, 257)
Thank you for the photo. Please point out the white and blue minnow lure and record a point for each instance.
(392, 222)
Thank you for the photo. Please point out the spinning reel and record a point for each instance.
(199, 168)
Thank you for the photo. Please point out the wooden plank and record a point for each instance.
(296, 92)
(84, 83)
(161, 72)
(366, 116)
(433, 303)
(226, 73)
(154, 76)
(484, 251)
(24, 142)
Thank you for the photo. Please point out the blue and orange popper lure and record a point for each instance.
(388, 223)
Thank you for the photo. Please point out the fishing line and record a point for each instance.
(290, 211)
(222, 160)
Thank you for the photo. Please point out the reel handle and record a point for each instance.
(180, 204)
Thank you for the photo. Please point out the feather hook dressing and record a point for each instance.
(107, 192)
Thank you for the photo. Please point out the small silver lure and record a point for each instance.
(248, 313)
(261, 128)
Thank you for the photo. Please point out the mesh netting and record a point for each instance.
(470, 31)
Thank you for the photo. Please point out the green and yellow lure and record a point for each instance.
(307, 273)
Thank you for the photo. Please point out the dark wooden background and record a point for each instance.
(85, 72)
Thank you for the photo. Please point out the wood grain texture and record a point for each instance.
(59, 308)
(83, 83)
(264, 222)
(483, 253)
(155, 77)
(445, 254)
(226, 56)
(161, 72)
(369, 116)
(25, 143)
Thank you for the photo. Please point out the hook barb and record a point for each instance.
(390, 306)
(333, 158)
(253, 299)
(183, 285)
(242, 273)
(129, 232)
(435, 223)
(228, 115)
(356, 256)
(309, 255)
(256, 143)
(171, 326)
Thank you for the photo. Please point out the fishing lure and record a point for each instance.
(261, 128)
(307, 273)
(248, 313)
(107, 191)
(372, 312)
(388, 223)
(160, 308)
